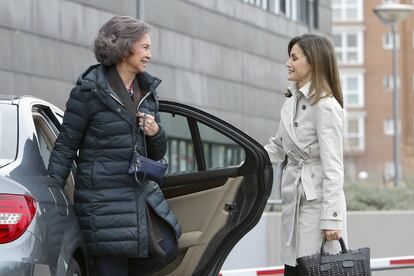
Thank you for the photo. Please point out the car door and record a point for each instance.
(217, 184)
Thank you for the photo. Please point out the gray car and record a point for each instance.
(218, 183)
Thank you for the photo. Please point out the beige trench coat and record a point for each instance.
(312, 181)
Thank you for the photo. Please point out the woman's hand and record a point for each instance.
(151, 126)
(331, 235)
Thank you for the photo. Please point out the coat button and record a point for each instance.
(296, 124)
(303, 107)
(334, 214)
(119, 110)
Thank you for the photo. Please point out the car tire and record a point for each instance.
(74, 268)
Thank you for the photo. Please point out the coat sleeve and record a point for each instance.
(329, 130)
(157, 144)
(275, 147)
(70, 138)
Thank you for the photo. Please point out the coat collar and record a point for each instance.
(288, 112)
(305, 90)
(117, 86)
(94, 79)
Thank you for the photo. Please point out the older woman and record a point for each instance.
(114, 210)
(310, 136)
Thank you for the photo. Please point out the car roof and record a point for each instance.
(7, 99)
(14, 99)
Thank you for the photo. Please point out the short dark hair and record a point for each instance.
(116, 38)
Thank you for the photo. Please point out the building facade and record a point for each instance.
(364, 51)
(225, 57)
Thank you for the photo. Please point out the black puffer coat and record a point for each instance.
(110, 205)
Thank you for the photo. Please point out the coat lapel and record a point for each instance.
(117, 86)
(109, 99)
(288, 114)
(118, 104)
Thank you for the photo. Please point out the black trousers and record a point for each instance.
(123, 266)
(291, 271)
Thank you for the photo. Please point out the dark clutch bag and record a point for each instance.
(345, 263)
(145, 168)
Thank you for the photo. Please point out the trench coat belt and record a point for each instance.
(304, 176)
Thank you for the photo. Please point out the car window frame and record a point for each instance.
(48, 117)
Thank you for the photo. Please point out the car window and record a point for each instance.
(46, 135)
(218, 150)
(8, 133)
(180, 151)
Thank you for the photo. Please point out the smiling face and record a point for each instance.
(299, 69)
(141, 55)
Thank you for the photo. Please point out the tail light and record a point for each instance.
(16, 214)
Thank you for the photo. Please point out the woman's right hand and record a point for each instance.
(331, 235)
(151, 127)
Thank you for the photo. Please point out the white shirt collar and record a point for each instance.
(304, 89)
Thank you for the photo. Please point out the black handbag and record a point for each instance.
(142, 167)
(345, 263)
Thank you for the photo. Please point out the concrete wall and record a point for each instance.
(226, 57)
(46, 44)
(388, 234)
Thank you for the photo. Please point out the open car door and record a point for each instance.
(218, 183)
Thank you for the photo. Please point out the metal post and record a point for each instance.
(395, 107)
(311, 16)
(140, 9)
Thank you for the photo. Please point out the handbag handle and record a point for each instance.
(341, 241)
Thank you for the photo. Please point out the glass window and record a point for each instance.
(353, 89)
(337, 40)
(221, 151)
(389, 126)
(347, 10)
(296, 10)
(259, 3)
(354, 133)
(180, 150)
(8, 139)
(388, 82)
(45, 137)
(387, 41)
(352, 40)
(348, 45)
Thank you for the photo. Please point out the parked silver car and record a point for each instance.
(217, 184)
(39, 232)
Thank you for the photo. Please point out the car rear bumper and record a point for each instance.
(15, 268)
(23, 257)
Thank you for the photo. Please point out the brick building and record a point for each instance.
(364, 50)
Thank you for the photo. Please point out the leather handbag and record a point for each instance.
(142, 167)
(346, 263)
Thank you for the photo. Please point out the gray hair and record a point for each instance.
(116, 38)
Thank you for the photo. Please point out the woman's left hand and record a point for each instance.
(331, 235)
(151, 126)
